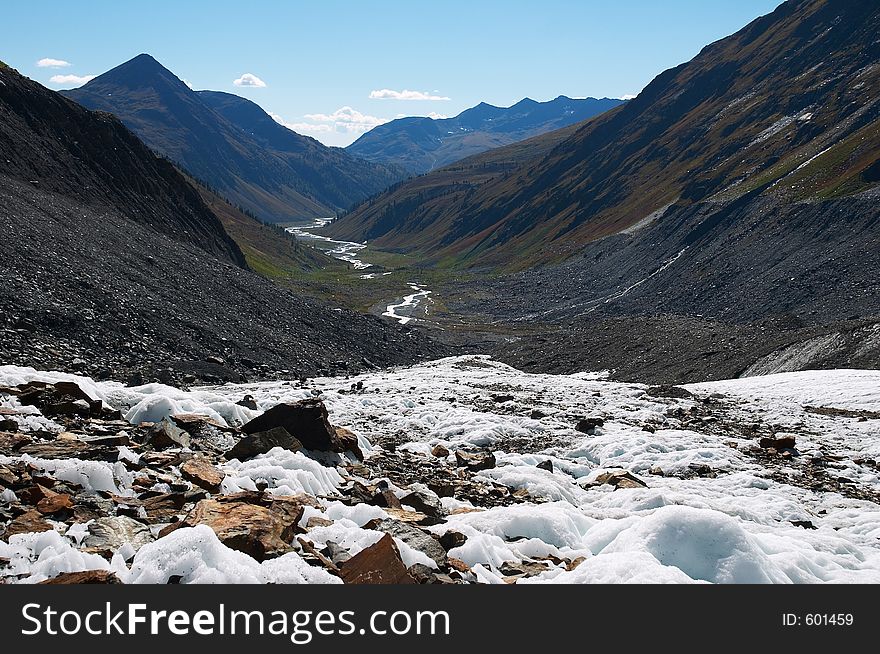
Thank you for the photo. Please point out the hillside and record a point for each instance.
(785, 109)
(424, 144)
(279, 176)
(113, 265)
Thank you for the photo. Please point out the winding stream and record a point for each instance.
(349, 251)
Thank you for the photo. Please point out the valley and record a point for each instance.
(584, 340)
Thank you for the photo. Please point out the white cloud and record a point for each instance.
(53, 63)
(71, 80)
(301, 127)
(347, 120)
(628, 96)
(388, 94)
(251, 80)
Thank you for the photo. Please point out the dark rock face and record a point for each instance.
(307, 421)
(262, 441)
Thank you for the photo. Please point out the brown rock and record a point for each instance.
(26, 523)
(9, 443)
(250, 528)
(458, 564)
(378, 564)
(85, 577)
(386, 498)
(439, 451)
(474, 462)
(161, 508)
(347, 441)
(619, 479)
(318, 521)
(55, 503)
(781, 443)
(199, 471)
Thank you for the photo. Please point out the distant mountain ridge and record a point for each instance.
(233, 145)
(786, 110)
(424, 144)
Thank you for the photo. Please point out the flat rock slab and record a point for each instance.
(202, 473)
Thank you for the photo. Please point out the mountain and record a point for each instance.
(784, 112)
(424, 144)
(232, 145)
(114, 265)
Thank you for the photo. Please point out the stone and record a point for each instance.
(202, 473)
(108, 534)
(675, 392)
(452, 539)
(31, 521)
(439, 451)
(256, 530)
(248, 402)
(778, 443)
(84, 577)
(347, 441)
(386, 498)
(427, 503)
(162, 507)
(306, 420)
(413, 517)
(10, 443)
(378, 564)
(261, 442)
(589, 425)
(474, 462)
(337, 555)
(501, 399)
(416, 538)
(55, 503)
(166, 434)
(317, 521)
(546, 465)
(619, 479)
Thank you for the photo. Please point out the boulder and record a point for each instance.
(263, 441)
(778, 443)
(474, 462)
(424, 502)
(107, 535)
(166, 434)
(306, 420)
(199, 471)
(31, 521)
(378, 564)
(546, 465)
(589, 425)
(619, 479)
(256, 530)
(439, 451)
(419, 540)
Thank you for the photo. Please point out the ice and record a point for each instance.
(196, 556)
(286, 473)
(39, 556)
(735, 526)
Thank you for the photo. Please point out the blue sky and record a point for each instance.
(333, 69)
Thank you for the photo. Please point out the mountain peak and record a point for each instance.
(139, 71)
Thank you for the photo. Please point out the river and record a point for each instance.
(349, 251)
